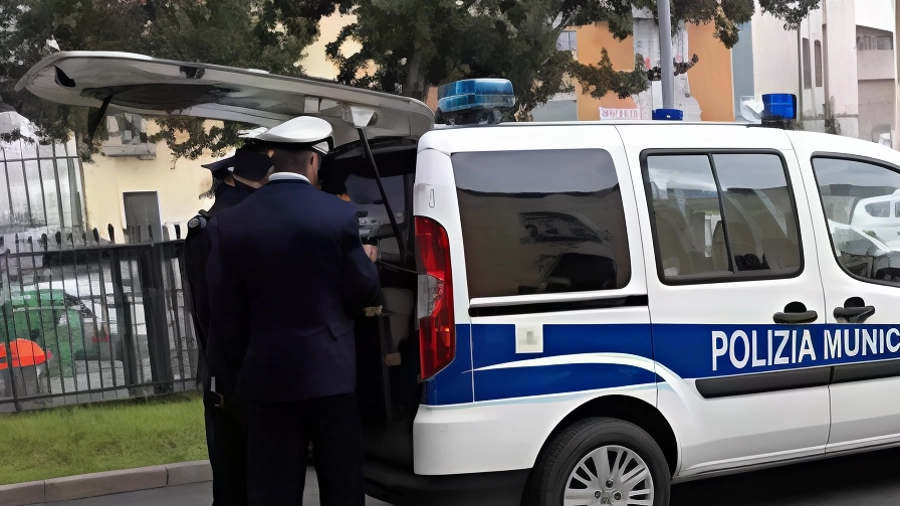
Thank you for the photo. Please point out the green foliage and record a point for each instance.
(603, 79)
(195, 137)
(416, 44)
(791, 12)
(412, 45)
(241, 33)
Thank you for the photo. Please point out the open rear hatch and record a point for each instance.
(387, 345)
(153, 87)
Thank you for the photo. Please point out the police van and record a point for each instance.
(582, 313)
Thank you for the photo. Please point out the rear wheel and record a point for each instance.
(600, 461)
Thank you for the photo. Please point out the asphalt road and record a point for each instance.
(871, 479)
(860, 480)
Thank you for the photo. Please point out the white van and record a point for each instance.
(583, 313)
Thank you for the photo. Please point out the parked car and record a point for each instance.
(60, 323)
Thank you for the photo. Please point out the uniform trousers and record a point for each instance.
(226, 439)
(278, 443)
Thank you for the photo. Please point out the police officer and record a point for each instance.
(287, 273)
(235, 178)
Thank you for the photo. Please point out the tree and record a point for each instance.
(792, 13)
(416, 44)
(242, 33)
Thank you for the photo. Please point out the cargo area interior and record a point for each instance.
(388, 384)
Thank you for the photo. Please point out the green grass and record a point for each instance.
(101, 437)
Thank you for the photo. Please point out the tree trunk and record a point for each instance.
(415, 82)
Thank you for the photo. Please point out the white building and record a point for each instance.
(840, 64)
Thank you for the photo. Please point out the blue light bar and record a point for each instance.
(668, 115)
(779, 106)
(476, 94)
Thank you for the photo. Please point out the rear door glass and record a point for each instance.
(543, 221)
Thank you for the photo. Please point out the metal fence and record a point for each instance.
(83, 320)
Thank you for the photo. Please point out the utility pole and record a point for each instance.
(666, 62)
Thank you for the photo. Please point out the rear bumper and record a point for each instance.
(398, 485)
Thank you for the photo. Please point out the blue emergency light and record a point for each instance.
(667, 115)
(476, 94)
(779, 106)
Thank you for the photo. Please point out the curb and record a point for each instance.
(107, 483)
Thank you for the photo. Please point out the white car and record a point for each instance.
(879, 216)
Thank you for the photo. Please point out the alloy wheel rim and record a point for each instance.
(610, 476)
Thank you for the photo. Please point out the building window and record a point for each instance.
(819, 65)
(874, 43)
(722, 217)
(528, 230)
(128, 137)
(807, 65)
(567, 41)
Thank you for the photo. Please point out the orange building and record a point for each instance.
(709, 82)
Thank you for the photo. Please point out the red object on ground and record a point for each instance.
(24, 353)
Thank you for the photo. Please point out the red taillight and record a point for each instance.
(437, 334)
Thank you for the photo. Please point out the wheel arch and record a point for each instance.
(629, 409)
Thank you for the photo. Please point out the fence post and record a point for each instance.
(150, 268)
(123, 316)
(9, 376)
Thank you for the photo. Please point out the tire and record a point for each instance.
(570, 449)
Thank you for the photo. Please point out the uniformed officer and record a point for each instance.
(235, 178)
(287, 273)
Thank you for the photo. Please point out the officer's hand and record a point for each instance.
(371, 251)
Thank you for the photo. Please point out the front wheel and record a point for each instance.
(597, 462)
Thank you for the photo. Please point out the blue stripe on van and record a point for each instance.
(453, 385)
(495, 384)
(708, 351)
(496, 343)
(691, 351)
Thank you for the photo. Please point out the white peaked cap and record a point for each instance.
(303, 130)
(252, 134)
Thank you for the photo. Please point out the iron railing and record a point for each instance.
(111, 320)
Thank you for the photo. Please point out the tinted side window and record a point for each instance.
(857, 197)
(721, 216)
(541, 222)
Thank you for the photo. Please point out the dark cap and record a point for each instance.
(248, 164)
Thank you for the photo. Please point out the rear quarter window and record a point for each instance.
(544, 221)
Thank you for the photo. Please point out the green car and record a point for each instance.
(60, 323)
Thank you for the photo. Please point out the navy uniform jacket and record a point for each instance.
(287, 273)
(196, 253)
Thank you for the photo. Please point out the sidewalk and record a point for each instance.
(184, 484)
(102, 484)
(197, 494)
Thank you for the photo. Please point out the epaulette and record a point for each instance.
(200, 220)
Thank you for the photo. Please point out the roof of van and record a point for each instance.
(604, 122)
(154, 87)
